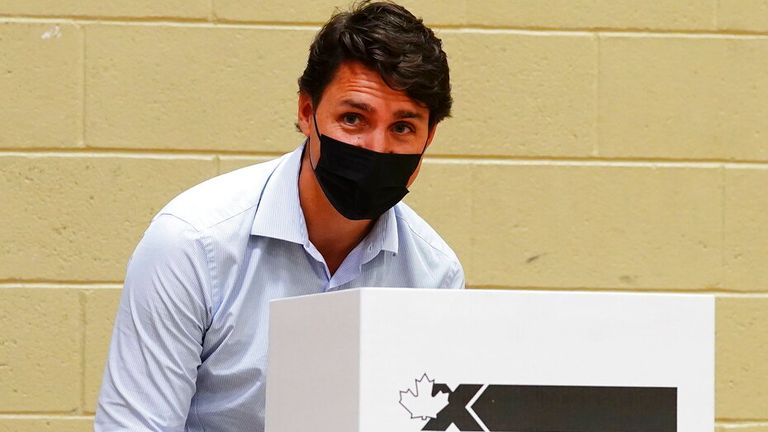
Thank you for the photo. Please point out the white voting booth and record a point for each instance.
(400, 360)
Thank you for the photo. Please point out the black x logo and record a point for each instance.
(456, 411)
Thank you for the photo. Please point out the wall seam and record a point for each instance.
(63, 284)
(472, 215)
(597, 144)
(720, 292)
(60, 285)
(202, 155)
(217, 164)
(95, 19)
(83, 326)
(43, 415)
(742, 423)
(723, 237)
(84, 95)
(314, 25)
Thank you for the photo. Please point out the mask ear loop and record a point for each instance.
(314, 117)
(309, 143)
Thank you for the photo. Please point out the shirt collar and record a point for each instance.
(383, 236)
(279, 214)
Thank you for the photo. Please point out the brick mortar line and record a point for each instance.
(703, 291)
(581, 162)
(314, 25)
(206, 155)
(96, 19)
(159, 22)
(644, 290)
(87, 152)
(604, 31)
(61, 285)
(741, 423)
(41, 415)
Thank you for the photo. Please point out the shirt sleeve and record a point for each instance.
(456, 280)
(151, 370)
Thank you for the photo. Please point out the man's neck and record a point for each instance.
(332, 234)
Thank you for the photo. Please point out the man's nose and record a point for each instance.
(377, 141)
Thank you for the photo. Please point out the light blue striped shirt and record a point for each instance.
(189, 346)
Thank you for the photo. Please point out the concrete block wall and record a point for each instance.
(595, 144)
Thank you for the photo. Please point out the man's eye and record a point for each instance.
(402, 128)
(351, 119)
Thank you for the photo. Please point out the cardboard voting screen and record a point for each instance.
(471, 360)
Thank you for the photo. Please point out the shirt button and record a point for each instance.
(370, 248)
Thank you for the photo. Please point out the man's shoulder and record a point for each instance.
(221, 197)
(413, 228)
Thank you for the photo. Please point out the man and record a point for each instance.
(189, 346)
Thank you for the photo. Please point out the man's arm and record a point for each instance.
(457, 277)
(150, 376)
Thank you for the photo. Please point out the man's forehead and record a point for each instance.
(358, 86)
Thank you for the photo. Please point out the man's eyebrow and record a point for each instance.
(362, 106)
(404, 114)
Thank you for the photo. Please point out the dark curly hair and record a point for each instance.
(387, 38)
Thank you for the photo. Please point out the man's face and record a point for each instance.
(359, 108)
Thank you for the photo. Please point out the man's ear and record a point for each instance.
(304, 113)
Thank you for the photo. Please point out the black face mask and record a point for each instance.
(361, 183)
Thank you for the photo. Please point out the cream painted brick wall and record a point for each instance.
(521, 94)
(667, 14)
(100, 310)
(580, 226)
(598, 144)
(748, 15)
(112, 8)
(660, 14)
(742, 428)
(163, 87)
(41, 85)
(78, 218)
(440, 196)
(314, 11)
(37, 423)
(742, 358)
(683, 97)
(40, 350)
(231, 163)
(746, 228)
